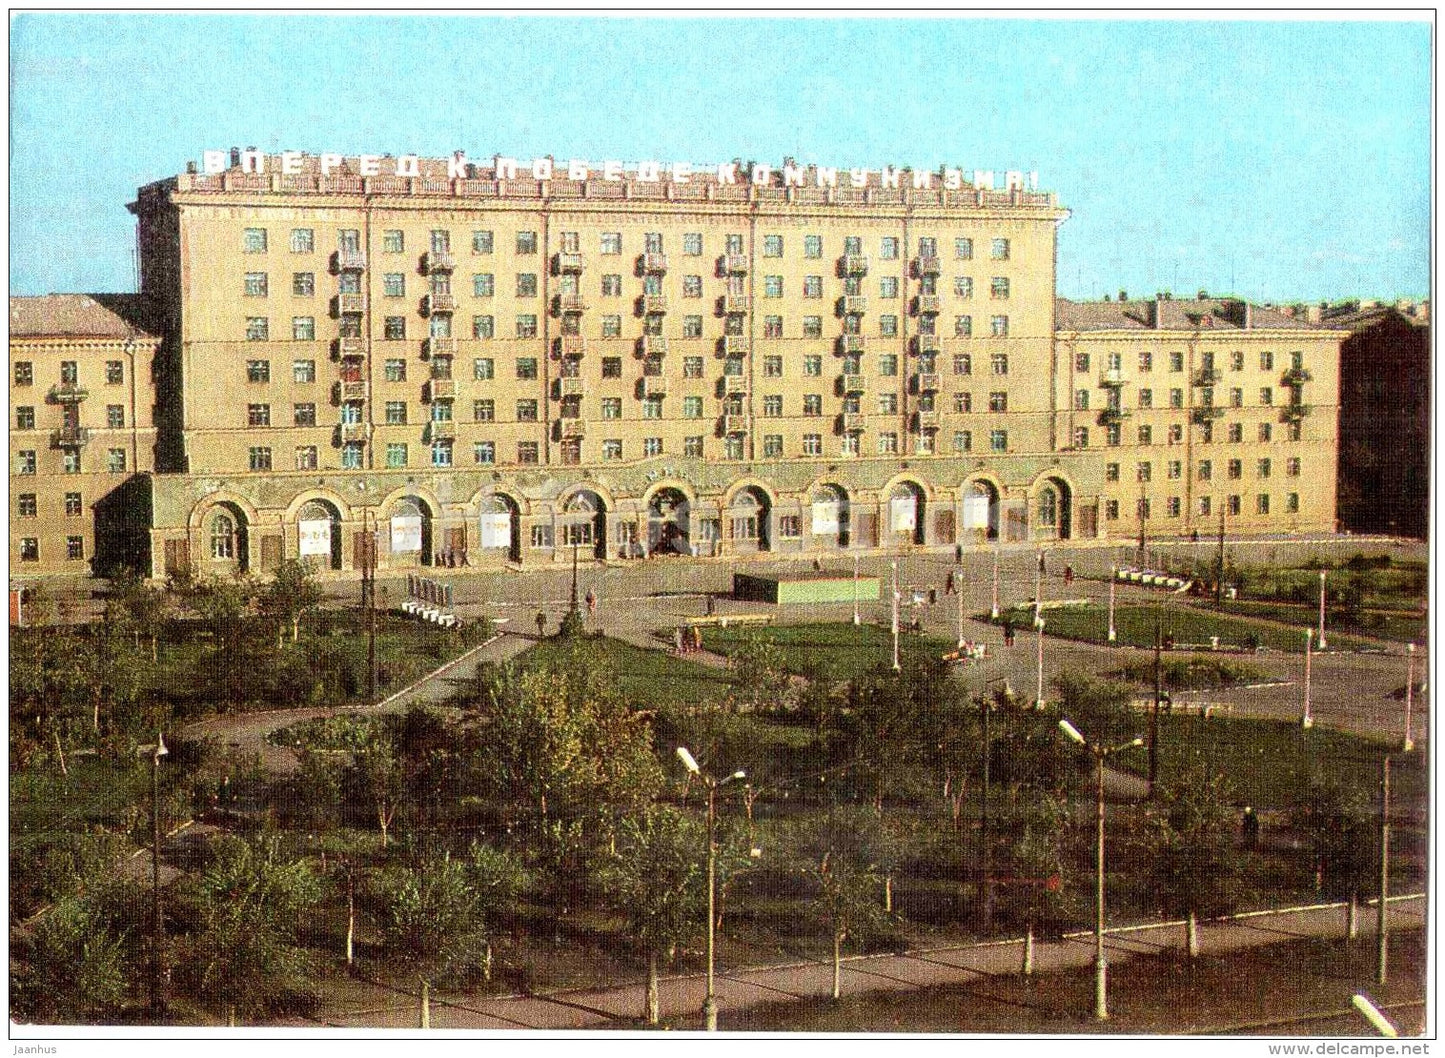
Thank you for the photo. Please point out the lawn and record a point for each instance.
(1187, 624)
(648, 678)
(836, 651)
(1399, 625)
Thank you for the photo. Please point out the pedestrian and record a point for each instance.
(817, 566)
(1043, 566)
(541, 623)
(1249, 828)
(1068, 574)
(1008, 633)
(932, 596)
(711, 604)
(591, 601)
(958, 553)
(948, 583)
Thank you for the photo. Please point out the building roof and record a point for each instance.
(1363, 319)
(79, 316)
(1178, 314)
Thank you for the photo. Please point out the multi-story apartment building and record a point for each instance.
(1202, 409)
(505, 369)
(471, 364)
(81, 402)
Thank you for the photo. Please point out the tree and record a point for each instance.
(292, 593)
(760, 675)
(376, 777)
(846, 854)
(248, 907)
(1194, 863)
(145, 608)
(1335, 822)
(659, 879)
(74, 968)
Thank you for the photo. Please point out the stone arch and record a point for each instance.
(830, 514)
(748, 515)
(411, 526)
(318, 533)
(906, 510)
(335, 499)
(499, 521)
(582, 518)
(981, 497)
(1051, 507)
(669, 521)
(225, 536)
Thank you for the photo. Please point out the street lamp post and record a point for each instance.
(1039, 591)
(1101, 966)
(1039, 697)
(157, 1000)
(993, 611)
(1307, 719)
(958, 591)
(985, 871)
(857, 619)
(1382, 922)
(896, 599)
(1409, 742)
(709, 1003)
(1322, 609)
(1113, 577)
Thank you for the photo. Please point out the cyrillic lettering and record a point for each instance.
(612, 170)
(577, 169)
(457, 167)
(408, 165)
(681, 172)
(253, 162)
(213, 162)
(504, 168)
(922, 179)
(727, 173)
(888, 176)
(952, 179)
(827, 177)
(858, 177)
(329, 162)
(369, 164)
(649, 172)
(541, 168)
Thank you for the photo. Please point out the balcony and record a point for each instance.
(350, 390)
(652, 305)
(1205, 413)
(1294, 412)
(925, 420)
(69, 437)
(576, 428)
(1207, 376)
(569, 345)
(652, 264)
(1113, 416)
(852, 305)
(733, 345)
(852, 382)
(431, 347)
(851, 422)
(732, 264)
(350, 348)
(570, 387)
(925, 382)
(653, 386)
(438, 261)
(439, 389)
(432, 304)
(350, 304)
(926, 266)
(851, 344)
(652, 345)
(852, 264)
(1112, 377)
(68, 393)
(564, 264)
(734, 385)
(1295, 377)
(351, 432)
(441, 430)
(735, 423)
(735, 304)
(927, 343)
(927, 305)
(568, 304)
(348, 261)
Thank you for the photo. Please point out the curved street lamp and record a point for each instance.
(709, 1003)
(1101, 966)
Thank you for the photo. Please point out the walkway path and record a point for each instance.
(681, 997)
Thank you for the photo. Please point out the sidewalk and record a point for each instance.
(681, 997)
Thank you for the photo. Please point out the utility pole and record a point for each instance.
(1219, 562)
(1409, 742)
(1382, 926)
(958, 592)
(1322, 609)
(896, 599)
(1307, 719)
(1158, 697)
(157, 996)
(574, 571)
(368, 590)
(1143, 533)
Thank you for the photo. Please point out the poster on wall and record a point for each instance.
(497, 529)
(825, 518)
(905, 514)
(315, 536)
(975, 512)
(406, 533)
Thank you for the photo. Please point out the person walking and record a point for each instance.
(1008, 633)
(591, 601)
(948, 583)
(541, 624)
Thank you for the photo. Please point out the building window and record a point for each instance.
(26, 507)
(812, 366)
(812, 286)
(812, 404)
(258, 415)
(1176, 361)
(1112, 434)
(998, 288)
(692, 407)
(541, 534)
(303, 328)
(772, 326)
(962, 403)
(652, 408)
(772, 446)
(691, 367)
(1236, 433)
(692, 286)
(998, 325)
(441, 240)
(393, 241)
(612, 407)
(484, 328)
(692, 244)
(351, 455)
(1144, 472)
(260, 457)
(692, 446)
(24, 373)
(526, 367)
(999, 250)
(963, 440)
(1292, 467)
(611, 286)
(887, 443)
(888, 326)
(481, 242)
(652, 446)
(998, 440)
(1206, 469)
(29, 549)
(998, 401)
(888, 365)
(1266, 361)
(1291, 503)
(25, 418)
(962, 287)
(1146, 435)
(305, 457)
(484, 452)
(1146, 362)
(963, 249)
(1081, 400)
(303, 240)
(526, 410)
(611, 242)
(813, 246)
(773, 406)
(441, 453)
(1081, 437)
(612, 448)
(999, 363)
(255, 285)
(396, 413)
(773, 366)
(1263, 468)
(772, 286)
(484, 410)
(526, 242)
(258, 371)
(772, 246)
(1176, 469)
(1261, 503)
(692, 326)
(812, 444)
(1235, 469)
(1146, 398)
(304, 414)
(1176, 398)
(396, 455)
(253, 240)
(396, 370)
(303, 284)
(258, 328)
(888, 248)
(888, 404)
(1266, 432)
(1111, 471)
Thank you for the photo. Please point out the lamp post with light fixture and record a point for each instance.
(1101, 966)
(709, 1003)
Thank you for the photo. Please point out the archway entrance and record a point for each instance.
(227, 538)
(411, 531)
(981, 509)
(501, 528)
(830, 517)
(1052, 511)
(669, 529)
(318, 530)
(906, 512)
(748, 520)
(584, 523)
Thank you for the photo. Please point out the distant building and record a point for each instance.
(1384, 445)
(81, 435)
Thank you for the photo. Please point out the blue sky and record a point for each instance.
(1280, 160)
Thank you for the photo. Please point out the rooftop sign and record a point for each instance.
(789, 174)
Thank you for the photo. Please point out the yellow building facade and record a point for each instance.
(486, 364)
